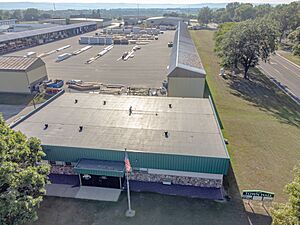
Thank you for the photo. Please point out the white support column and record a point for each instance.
(80, 183)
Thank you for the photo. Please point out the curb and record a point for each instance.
(288, 60)
(281, 87)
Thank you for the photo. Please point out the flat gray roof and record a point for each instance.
(31, 33)
(190, 122)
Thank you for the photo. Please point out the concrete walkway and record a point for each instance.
(83, 192)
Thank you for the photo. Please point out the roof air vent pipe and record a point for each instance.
(130, 110)
(46, 126)
(75, 101)
(170, 106)
(166, 134)
(80, 128)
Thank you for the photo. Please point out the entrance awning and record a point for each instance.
(100, 167)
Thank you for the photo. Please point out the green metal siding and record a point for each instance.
(141, 159)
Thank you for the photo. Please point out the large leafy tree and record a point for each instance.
(295, 39)
(244, 12)
(289, 213)
(247, 42)
(31, 14)
(287, 17)
(205, 15)
(22, 176)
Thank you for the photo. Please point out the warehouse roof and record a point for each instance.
(31, 33)
(17, 63)
(184, 55)
(169, 17)
(88, 19)
(190, 123)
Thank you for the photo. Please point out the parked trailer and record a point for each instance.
(100, 54)
(64, 47)
(63, 57)
(82, 50)
(30, 54)
(54, 51)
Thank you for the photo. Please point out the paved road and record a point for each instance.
(284, 72)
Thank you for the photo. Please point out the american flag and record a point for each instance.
(127, 163)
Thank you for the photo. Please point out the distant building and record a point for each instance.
(29, 26)
(20, 74)
(10, 42)
(55, 21)
(6, 24)
(167, 21)
(103, 22)
(186, 74)
(133, 20)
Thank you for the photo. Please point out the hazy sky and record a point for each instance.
(153, 1)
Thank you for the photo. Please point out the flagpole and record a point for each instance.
(129, 212)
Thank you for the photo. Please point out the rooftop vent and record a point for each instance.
(104, 102)
(75, 101)
(170, 106)
(166, 134)
(130, 110)
(46, 126)
(80, 128)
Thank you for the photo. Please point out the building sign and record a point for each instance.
(258, 195)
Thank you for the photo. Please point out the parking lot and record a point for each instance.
(148, 68)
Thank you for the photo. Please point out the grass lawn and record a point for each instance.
(260, 121)
(288, 55)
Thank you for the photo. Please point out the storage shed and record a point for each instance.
(186, 74)
(20, 74)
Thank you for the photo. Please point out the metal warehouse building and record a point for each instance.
(175, 145)
(167, 21)
(20, 74)
(15, 41)
(186, 74)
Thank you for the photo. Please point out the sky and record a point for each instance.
(154, 1)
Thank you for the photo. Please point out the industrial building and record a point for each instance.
(18, 27)
(6, 24)
(166, 21)
(15, 41)
(21, 74)
(103, 22)
(186, 74)
(175, 145)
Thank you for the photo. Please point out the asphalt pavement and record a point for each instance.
(284, 73)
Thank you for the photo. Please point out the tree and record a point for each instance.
(295, 39)
(289, 213)
(244, 12)
(230, 9)
(263, 10)
(205, 15)
(287, 17)
(31, 14)
(17, 14)
(247, 42)
(22, 176)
